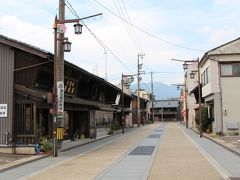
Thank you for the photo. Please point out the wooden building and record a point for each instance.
(166, 110)
(26, 100)
(143, 109)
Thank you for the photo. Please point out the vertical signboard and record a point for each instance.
(60, 97)
(3, 110)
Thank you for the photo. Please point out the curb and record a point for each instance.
(22, 162)
(92, 140)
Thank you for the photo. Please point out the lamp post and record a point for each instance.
(127, 83)
(192, 74)
(185, 66)
(185, 98)
(61, 45)
(152, 97)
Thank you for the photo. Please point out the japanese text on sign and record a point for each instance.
(60, 96)
(3, 110)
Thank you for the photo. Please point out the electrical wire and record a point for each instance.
(72, 10)
(148, 33)
(133, 30)
(128, 28)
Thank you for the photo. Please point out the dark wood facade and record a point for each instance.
(143, 109)
(88, 103)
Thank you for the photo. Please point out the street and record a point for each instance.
(156, 151)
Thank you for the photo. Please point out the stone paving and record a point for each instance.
(136, 164)
(175, 157)
(89, 165)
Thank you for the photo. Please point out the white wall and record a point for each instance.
(230, 99)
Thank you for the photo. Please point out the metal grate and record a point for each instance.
(154, 136)
(142, 150)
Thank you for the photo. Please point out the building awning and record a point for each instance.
(107, 108)
(195, 91)
(80, 101)
(35, 93)
(96, 105)
(42, 95)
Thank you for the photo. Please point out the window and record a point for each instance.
(232, 69)
(205, 77)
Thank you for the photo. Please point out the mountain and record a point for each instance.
(160, 90)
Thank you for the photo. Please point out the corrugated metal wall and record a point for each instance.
(6, 89)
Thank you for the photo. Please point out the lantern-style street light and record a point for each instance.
(61, 45)
(78, 28)
(67, 46)
(192, 74)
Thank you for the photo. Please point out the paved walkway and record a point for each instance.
(89, 165)
(153, 152)
(137, 162)
(178, 158)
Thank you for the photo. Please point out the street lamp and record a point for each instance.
(61, 45)
(192, 74)
(67, 46)
(185, 98)
(78, 28)
(185, 66)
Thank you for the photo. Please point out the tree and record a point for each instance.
(206, 122)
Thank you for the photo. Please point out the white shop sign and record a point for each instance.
(60, 97)
(3, 110)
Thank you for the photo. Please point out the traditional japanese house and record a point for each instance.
(26, 100)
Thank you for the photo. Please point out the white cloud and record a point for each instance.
(220, 36)
(37, 35)
(227, 2)
(198, 26)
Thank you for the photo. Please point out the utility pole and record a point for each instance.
(58, 79)
(139, 66)
(186, 101)
(200, 100)
(162, 113)
(61, 44)
(152, 96)
(123, 118)
(105, 52)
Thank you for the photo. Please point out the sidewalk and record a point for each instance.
(8, 161)
(89, 164)
(231, 143)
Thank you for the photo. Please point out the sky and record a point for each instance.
(160, 29)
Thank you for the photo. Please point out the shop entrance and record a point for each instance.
(80, 124)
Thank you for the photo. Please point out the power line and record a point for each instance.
(121, 14)
(124, 15)
(163, 72)
(72, 10)
(133, 30)
(148, 33)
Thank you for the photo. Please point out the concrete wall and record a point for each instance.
(230, 100)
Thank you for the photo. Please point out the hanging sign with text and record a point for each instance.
(3, 110)
(60, 97)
